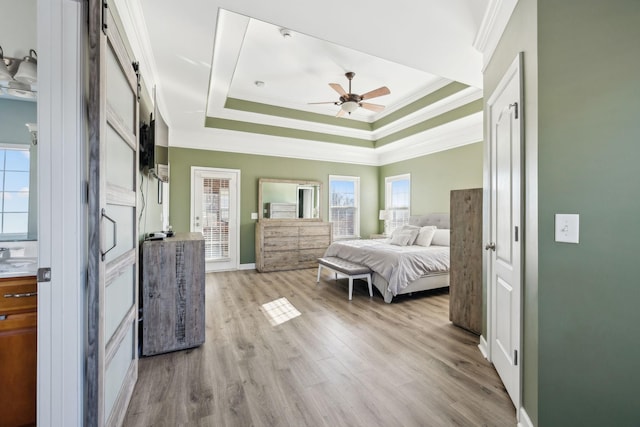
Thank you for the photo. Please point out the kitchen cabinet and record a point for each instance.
(18, 351)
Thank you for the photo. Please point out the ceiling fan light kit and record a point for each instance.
(349, 106)
(350, 102)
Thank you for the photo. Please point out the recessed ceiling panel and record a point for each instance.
(284, 68)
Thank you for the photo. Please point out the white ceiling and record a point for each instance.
(296, 70)
(411, 47)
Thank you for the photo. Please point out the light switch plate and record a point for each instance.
(254, 215)
(568, 228)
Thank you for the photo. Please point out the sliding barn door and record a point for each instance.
(112, 365)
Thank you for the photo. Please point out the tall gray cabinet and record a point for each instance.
(172, 293)
(465, 277)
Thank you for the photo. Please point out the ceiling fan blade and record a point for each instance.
(328, 102)
(338, 88)
(340, 113)
(372, 107)
(376, 92)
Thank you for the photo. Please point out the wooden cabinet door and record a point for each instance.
(18, 339)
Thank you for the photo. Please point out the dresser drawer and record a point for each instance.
(280, 232)
(281, 260)
(314, 242)
(311, 255)
(281, 244)
(18, 295)
(315, 230)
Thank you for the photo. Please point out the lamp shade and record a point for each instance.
(4, 70)
(28, 69)
(349, 106)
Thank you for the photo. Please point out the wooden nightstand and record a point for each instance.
(378, 236)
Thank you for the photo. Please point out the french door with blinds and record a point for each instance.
(214, 213)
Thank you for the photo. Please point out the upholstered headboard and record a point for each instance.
(440, 220)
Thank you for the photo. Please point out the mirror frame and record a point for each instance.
(262, 181)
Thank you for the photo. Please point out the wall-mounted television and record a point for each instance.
(147, 145)
(154, 140)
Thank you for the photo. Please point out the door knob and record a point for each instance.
(491, 246)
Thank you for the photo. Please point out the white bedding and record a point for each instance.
(399, 265)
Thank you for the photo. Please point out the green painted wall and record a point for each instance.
(589, 147)
(252, 168)
(521, 36)
(435, 175)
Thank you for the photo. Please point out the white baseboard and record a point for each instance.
(524, 421)
(251, 266)
(484, 347)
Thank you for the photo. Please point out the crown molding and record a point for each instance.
(466, 130)
(135, 27)
(494, 22)
(443, 106)
(267, 145)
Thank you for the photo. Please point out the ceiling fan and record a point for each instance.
(349, 102)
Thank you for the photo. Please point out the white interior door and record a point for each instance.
(112, 362)
(215, 213)
(505, 271)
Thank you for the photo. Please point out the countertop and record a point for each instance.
(18, 267)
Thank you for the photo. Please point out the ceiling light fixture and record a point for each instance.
(18, 77)
(285, 32)
(349, 106)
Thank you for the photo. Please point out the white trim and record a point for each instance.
(467, 130)
(524, 420)
(436, 109)
(251, 266)
(430, 111)
(135, 28)
(266, 145)
(62, 222)
(494, 22)
(484, 348)
(427, 90)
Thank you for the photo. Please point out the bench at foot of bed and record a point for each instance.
(348, 268)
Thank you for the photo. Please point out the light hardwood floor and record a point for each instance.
(340, 363)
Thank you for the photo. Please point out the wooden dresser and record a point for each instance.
(18, 344)
(172, 293)
(290, 245)
(465, 277)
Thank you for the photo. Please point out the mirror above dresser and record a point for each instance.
(289, 199)
(290, 233)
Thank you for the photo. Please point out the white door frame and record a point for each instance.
(61, 211)
(514, 71)
(235, 264)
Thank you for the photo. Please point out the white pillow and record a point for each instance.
(441, 237)
(426, 235)
(405, 236)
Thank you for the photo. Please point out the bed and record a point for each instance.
(399, 268)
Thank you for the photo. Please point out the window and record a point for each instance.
(344, 202)
(397, 201)
(14, 192)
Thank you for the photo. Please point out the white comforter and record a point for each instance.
(399, 265)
